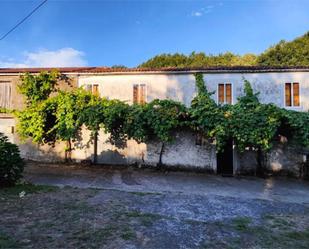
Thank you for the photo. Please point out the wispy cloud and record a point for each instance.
(205, 10)
(197, 13)
(64, 57)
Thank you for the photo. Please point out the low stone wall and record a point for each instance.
(282, 159)
(183, 153)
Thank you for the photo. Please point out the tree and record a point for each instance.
(115, 115)
(195, 60)
(295, 127)
(157, 120)
(36, 121)
(11, 164)
(37, 88)
(282, 54)
(254, 125)
(118, 67)
(206, 116)
(287, 54)
(68, 107)
(92, 116)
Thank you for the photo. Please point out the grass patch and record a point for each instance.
(7, 242)
(128, 234)
(144, 193)
(26, 188)
(242, 223)
(146, 219)
(299, 235)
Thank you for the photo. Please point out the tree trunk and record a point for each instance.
(261, 163)
(68, 151)
(160, 164)
(95, 147)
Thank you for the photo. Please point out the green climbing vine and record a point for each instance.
(249, 123)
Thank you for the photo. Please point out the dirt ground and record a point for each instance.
(127, 208)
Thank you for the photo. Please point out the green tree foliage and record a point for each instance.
(115, 114)
(36, 121)
(283, 54)
(249, 123)
(207, 117)
(164, 117)
(136, 123)
(118, 66)
(166, 60)
(11, 164)
(5, 110)
(68, 106)
(56, 119)
(294, 53)
(157, 120)
(252, 124)
(37, 88)
(199, 60)
(295, 126)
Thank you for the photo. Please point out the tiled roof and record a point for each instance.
(95, 70)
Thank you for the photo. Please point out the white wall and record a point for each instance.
(181, 87)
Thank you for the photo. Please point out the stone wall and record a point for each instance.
(182, 153)
(282, 159)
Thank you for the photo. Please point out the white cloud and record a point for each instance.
(64, 57)
(204, 10)
(197, 13)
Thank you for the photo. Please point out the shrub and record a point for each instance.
(11, 164)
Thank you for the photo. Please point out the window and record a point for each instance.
(5, 94)
(225, 93)
(292, 94)
(200, 139)
(139, 94)
(93, 88)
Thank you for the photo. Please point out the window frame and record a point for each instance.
(87, 85)
(224, 94)
(292, 94)
(10, 98)
(139, 87)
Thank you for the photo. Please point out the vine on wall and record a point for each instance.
(249, 123)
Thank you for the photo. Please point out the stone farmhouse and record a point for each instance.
(285, 87)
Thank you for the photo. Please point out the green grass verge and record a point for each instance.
(7, 242)
(26, 188)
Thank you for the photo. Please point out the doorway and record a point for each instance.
(225, 160)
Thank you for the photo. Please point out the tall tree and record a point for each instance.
(293, 53)
(38, 87)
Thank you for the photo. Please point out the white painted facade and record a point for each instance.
(181, 86)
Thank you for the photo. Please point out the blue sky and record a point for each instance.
(104, 33)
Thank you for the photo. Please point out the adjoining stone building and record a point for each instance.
(285, 87)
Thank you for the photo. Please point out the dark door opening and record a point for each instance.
(225, 160)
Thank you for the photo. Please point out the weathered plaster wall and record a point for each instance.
(7, 126)
(282, 159)
(181, 153)
(181, 87)
(159, 86)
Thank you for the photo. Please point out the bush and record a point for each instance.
(11, 164)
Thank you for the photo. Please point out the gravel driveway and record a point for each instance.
(112, 207)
